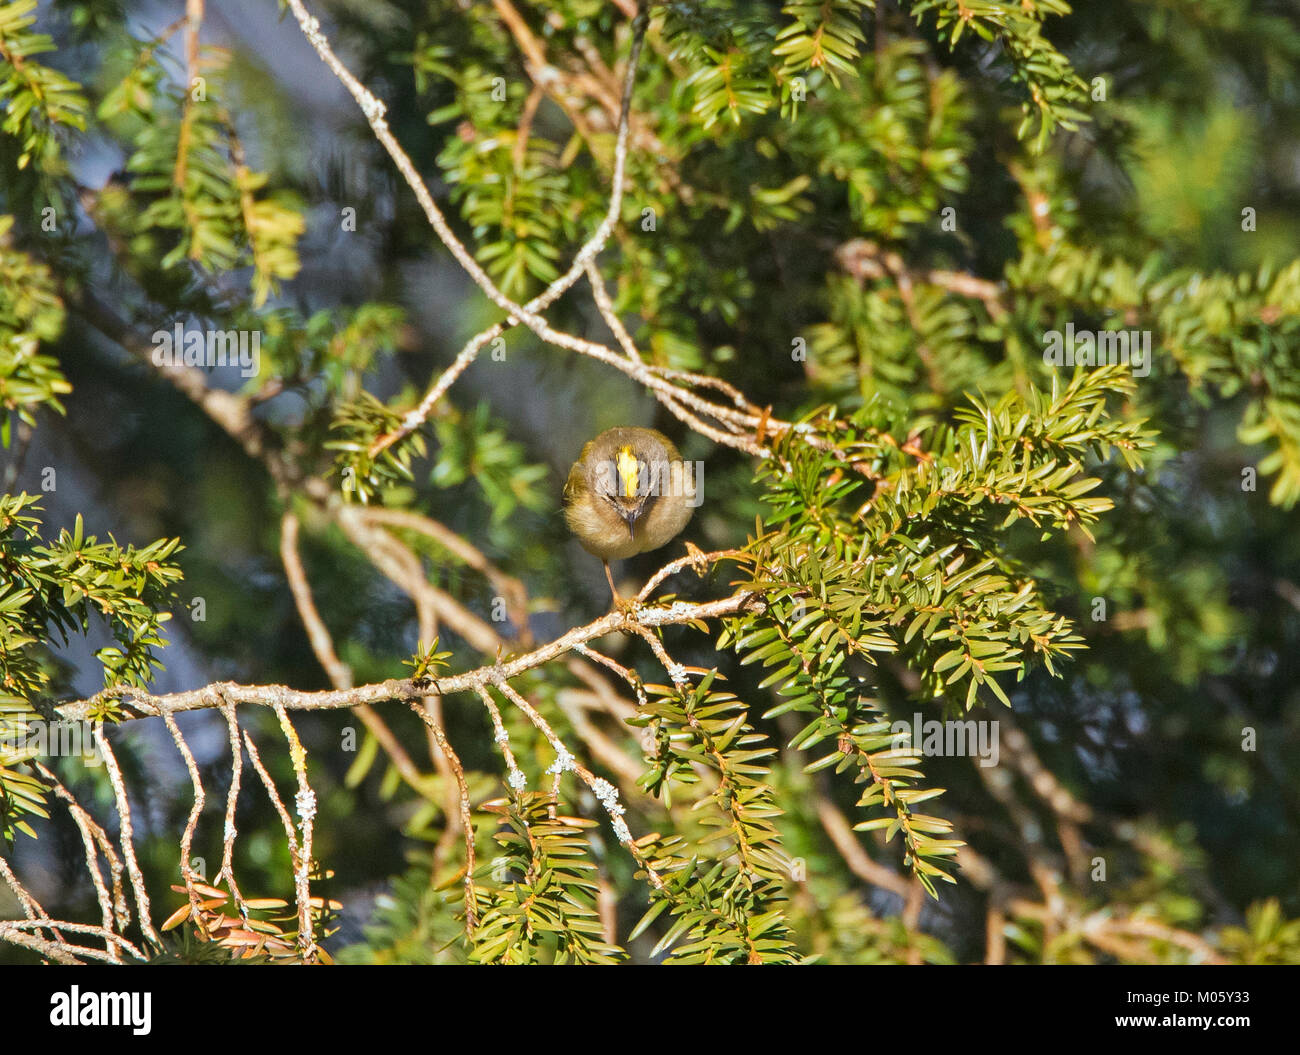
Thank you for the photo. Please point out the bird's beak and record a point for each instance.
(631, 516)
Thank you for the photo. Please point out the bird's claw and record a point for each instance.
(699, 561)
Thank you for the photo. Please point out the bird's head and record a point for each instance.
(629, 491)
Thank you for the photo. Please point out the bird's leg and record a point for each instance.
(626, 607)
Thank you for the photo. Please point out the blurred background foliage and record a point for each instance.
(789, 180)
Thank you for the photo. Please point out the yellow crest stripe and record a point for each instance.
(627, 471)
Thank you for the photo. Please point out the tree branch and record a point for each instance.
(136, 705)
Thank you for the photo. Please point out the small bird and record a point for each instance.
(629, 492)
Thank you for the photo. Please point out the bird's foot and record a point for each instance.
(627, 606)
(699, 561)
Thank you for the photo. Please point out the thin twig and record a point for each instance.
(305, 801)
(110, 937)
(229, 831)
(510, 589)
(286, 822)
(31, 907)
(322, 644)
(187, 837)
(466, 818)
(605, 792)
(87, 827)
(515, 778)
(127, 835)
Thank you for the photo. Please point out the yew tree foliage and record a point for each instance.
(867, 218)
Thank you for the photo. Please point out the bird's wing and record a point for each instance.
(574, 482)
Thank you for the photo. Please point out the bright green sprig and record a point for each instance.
(537, 902)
